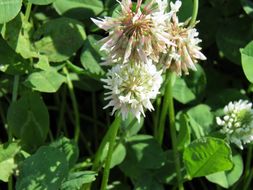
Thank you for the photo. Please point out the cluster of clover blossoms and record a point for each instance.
(237, 122)
(145, 40)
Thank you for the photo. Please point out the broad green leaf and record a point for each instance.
(17, 34)
(69, 148)
(190, 87)
(7, 159)
(130, 126)
(203, 116)
(148, 182)
(9, 9)
(91, 55)
(59, 38)
(228, 178)
(206, 156)
(79, 9)
(41, 2)
(143, 152)
(229, 37)
(28, 119)
(167, 173)
(11, 62)
(184, 136)
(45, 81)
(44, 170)
(118, 155)
(247, 61)
(247, 5)
(77, 179)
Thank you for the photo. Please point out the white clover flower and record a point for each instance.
(132, 87)
(237, 123)
(137, 33)
(185, 52)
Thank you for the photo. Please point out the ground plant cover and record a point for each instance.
(127, 94)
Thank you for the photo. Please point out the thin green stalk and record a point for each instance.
(10, 182)
(15, 88)
(194, 12)
(156, 116)
(248, 181)
(28, 11)
(165, 104)
(173, 129)
(14, 98)
(248, 161)
(74, 104)
(112, 138)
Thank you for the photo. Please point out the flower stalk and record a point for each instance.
(173, 134)
(75, 105)
(112, 137)
(194, 12)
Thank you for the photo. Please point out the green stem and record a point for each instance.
(10, 186)
(173, 129)
(194, 12)
(15, 88)
(14, 98)
(165, 104)
(247, 184)
(156, 116)
(113, 135)
(28, 11)
(74, 104)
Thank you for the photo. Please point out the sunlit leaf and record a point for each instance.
(247, 61)
(206, 156)
(7, 159)
(9, 9)
(44, 170)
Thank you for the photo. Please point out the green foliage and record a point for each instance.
(7, 159)
(59, 38)
(206, 156)
(9, 9)
(247, 61)
(45, 81)
(41, 2)
(228, 178)
(90, 57)
(17, 34)
(46, 169)
(77, 179)
(38, 120)
(28, 119)
(190, 87)
(200, 120)
(78, 9)
(12, 63)
(68, 148)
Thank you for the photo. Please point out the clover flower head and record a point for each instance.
(132, 87)
(185, 52)
(237, 123)
(136, 33)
